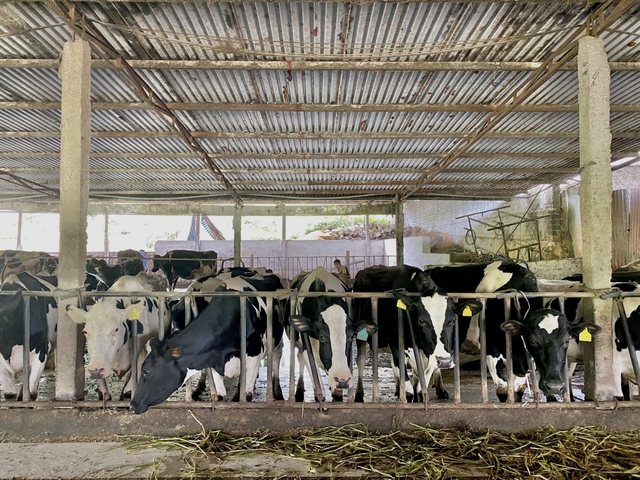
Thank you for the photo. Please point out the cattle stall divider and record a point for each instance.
(291, 294)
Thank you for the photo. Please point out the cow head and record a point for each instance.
(330, 328)
(108, 333)
(546, 334)
(161, 375)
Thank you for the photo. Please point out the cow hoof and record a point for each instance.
(299, 396)
(33, 397)
(249, 397)
(359, 398)
(502, 397)
(551, 398)
(409, 398)
(519, 396)
(337, 396)
(10, 396)
(220, 398)
(442, 394)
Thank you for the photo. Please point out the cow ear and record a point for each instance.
(405, 300)
(77, 314)
(367, 326)
(468, 308)
(512, 327)
(173, 353)
(576, 328)
(301, 323)
(154, 345)
(12, 302)
(133, 311)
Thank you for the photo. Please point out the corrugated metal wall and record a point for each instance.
(626, 227)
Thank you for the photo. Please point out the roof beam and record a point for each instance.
(299, 171)
(314, 107)
(206, 209)
(315, 135)
(331, 156)
(309, 65)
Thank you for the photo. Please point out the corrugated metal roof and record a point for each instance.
(266, 148)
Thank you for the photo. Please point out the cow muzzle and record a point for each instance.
(552, 387)
(342, 382)
(445, 362)
(96, 373)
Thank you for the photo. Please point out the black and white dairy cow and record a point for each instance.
(187, 264)
(431, 317)
(108, 326)
(326, 321)
(43, 321)
(490, 278)
(213, 340)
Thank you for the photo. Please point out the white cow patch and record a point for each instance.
(240, 285)
(436, 305)
(493, 278)
(549, 323)
(232, 368)
(336, 319)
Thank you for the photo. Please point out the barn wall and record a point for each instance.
(439, 216)
(627, 178)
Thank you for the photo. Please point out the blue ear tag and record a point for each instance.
(362, 335)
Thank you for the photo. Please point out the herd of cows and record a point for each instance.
(414, 321)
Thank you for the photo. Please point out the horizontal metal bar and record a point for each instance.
(312, 107)
(309, 65)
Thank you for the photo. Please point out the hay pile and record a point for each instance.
(583, 452)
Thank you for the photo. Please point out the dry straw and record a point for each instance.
(424, 452)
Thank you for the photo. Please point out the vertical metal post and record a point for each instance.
(367, 241)
(401, 362)
(456, 358)
(106, 236)
(534, 377)
(567, 379)
(19, 236)
(374, 351)
(162, 312)
(483, 352)
(351, 391)
(188, 393)
(508, 346)
(292, 355)
(243, 349)
(270, 349)
(399, 217)
(26, 349)
(134, 354)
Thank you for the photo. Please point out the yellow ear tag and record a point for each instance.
(401, 305)
(135, 315)
(585, 336)
(467, 312)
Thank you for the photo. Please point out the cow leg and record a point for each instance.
(277, 357)
(360, 361)
(500, 383)
(218, 382)
(395, 360)
(202, 384)
(37, 367)
(299, 395)
(618, 367)
(471, 343)
(7, 381)
(103, 390)
(252, 370)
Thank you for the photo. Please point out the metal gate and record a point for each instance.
(626, 227)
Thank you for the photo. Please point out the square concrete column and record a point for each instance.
(399, 214)
(595, 210)
(75, 136)
(237, 235)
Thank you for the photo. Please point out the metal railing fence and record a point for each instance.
(281, 295)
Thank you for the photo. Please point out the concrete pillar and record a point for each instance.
(19, 239)
(399, 214)
(595, 210)
(237, 235)
(75, 143)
